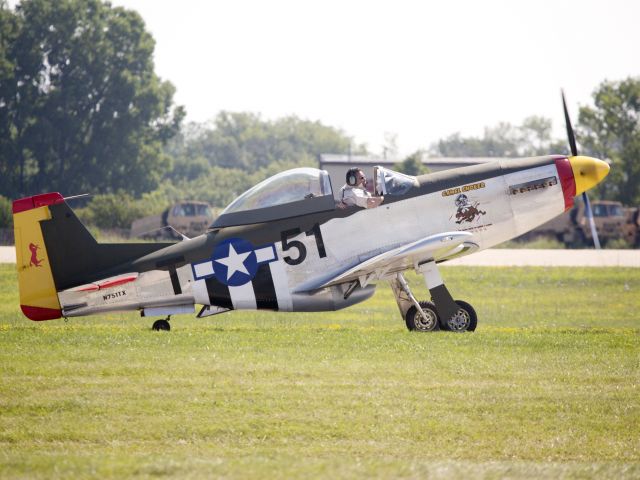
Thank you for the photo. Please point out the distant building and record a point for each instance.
(337, 165)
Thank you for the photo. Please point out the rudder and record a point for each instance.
(38, 295)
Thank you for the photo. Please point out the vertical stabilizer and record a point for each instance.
(55, 252)
(38, 296)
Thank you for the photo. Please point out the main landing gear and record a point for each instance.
(442, 313)
(162, 325)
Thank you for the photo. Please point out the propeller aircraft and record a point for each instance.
(287, 245)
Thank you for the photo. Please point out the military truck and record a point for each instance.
(632, 226)
(572, 227)
(190, 218)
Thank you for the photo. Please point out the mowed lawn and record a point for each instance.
(547, 387)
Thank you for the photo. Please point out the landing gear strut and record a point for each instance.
(420, 316)
(162, 325)
(442, 313)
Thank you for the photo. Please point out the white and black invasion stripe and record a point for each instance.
(268, 290)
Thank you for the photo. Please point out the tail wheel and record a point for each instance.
(465, 320)
(161, 325)
(422, 323)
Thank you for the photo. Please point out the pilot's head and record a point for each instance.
(355, 176)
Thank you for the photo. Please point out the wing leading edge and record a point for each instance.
(434, 247)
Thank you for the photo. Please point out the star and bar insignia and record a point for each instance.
(234, 262)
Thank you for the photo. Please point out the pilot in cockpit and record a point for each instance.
(354, 192)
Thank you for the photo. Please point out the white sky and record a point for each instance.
(419, 69)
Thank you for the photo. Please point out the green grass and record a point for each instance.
(546, 387)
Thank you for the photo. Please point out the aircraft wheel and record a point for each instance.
(465, 320)
(416, 322)
(160, 325)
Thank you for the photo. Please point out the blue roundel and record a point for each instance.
(235, 262)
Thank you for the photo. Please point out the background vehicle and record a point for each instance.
(572, 227)
(631, 228)
(190, 218)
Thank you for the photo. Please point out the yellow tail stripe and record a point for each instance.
(37, 288)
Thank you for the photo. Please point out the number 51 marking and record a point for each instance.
(297, 244)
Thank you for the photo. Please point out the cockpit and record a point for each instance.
(291, 193)
(300, 191)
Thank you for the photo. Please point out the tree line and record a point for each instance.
(82, 110)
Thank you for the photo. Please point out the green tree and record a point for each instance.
(412, 165)
(15, 100)
(6, 213)
(112, 210)
(457, 146)
(81, 106)
(246, 141)
(531, 138)
(498, 141)
(535, 138)
(611, 130)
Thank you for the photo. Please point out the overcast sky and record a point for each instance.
(418, 69)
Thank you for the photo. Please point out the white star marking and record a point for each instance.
(234, 262)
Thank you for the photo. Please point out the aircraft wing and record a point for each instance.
(433, 247)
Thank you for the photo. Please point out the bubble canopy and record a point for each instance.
(287, 194)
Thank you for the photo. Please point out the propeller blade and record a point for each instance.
(592, 223)
(567, 121)
(574, 151)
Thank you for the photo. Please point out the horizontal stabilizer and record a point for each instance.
(75, 257)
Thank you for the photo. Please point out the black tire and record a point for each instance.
(161, 325)
(416, 323)
(467, 323)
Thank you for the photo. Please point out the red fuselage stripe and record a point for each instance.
(118, 281)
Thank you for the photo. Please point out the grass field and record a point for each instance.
(547, 387)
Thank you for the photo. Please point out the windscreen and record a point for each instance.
(395, 183)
